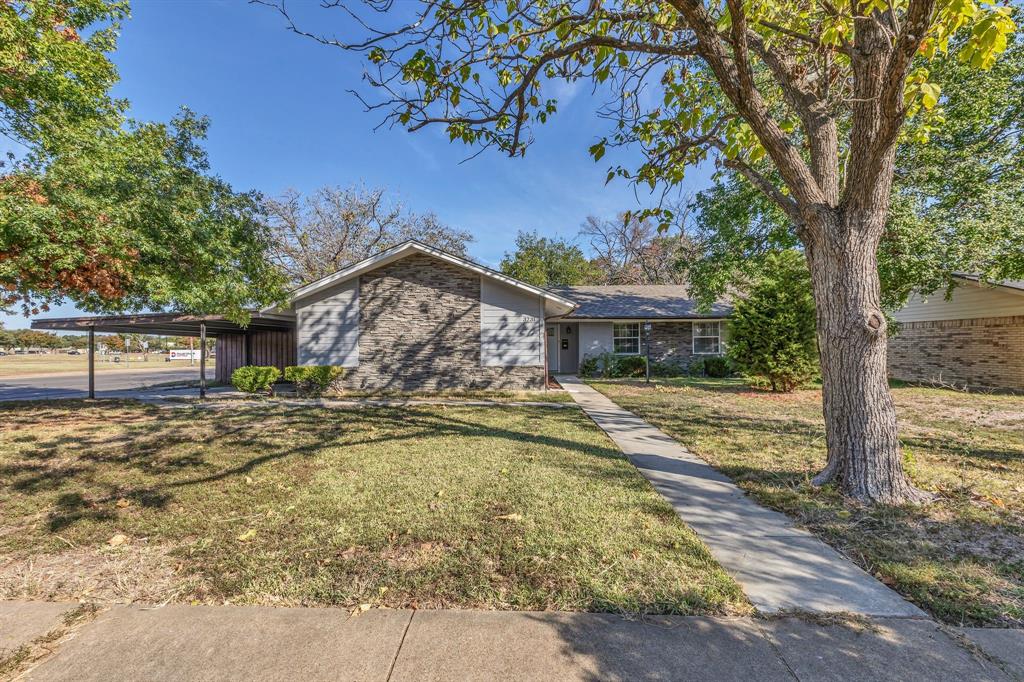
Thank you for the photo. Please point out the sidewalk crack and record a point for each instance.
(775, 647)
(398, 651)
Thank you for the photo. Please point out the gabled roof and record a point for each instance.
(1015, 285)
(559, 304)
(638, 302)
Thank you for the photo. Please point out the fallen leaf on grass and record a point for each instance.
(510, 517)
(117, 540)
(247, 535)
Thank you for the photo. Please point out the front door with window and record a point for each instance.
(568, 336)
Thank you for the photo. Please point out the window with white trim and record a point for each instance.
(707, 338)
(626, 338)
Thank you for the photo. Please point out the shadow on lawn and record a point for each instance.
(685, 423)
(151, 449)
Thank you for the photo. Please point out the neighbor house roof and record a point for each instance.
(638, 302)
(1016, 285)
(558, 304)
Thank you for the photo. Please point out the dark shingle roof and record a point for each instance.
(642, 302)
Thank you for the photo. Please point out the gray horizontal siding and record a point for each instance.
(511, 326)
(327, 325)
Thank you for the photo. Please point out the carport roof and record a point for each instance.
(167, 324)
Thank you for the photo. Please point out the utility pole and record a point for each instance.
(647, 363)
(92, 363)
(202, 360)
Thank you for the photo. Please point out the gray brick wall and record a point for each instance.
(672, 343)
(985, 352)
(419, 330)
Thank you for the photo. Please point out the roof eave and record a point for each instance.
(975, 280)
(400, 251)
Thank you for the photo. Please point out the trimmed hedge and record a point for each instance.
(314, 380)
(714, 366)
(255, 379)
(612, 366)
(630, 366)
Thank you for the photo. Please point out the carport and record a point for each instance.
(268, 339)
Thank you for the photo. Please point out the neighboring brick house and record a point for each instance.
(973, 338)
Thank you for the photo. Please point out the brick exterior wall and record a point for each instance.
(672, 343)
(985, 352)
(419, 330)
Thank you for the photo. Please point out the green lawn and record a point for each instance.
(504, 508)
(961, 558)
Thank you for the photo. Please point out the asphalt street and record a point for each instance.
(109, 383)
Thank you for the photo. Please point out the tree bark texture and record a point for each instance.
(864, 453)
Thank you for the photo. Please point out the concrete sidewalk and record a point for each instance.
(263, 643)
(779, 566)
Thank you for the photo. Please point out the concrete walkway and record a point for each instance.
(179, 642)
(779, 566)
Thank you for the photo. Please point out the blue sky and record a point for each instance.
(282, 117)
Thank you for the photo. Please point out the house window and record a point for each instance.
(626, 338)
(707, 338)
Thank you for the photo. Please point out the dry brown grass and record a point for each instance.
(961, 558)
(428, 506)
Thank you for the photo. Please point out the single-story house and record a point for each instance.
(973, 338)
(416, 318)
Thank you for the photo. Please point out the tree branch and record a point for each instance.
(748, 101)
(767, 187)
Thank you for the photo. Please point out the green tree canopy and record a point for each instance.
(548, 262)
(107, 212)
(957, 206)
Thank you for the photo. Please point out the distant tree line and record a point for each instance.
(319, 233)
(627, 249)
(33, 338)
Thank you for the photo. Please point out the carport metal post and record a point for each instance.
(202, 360)
(92, 362)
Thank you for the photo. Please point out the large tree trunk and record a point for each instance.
(864, 453)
